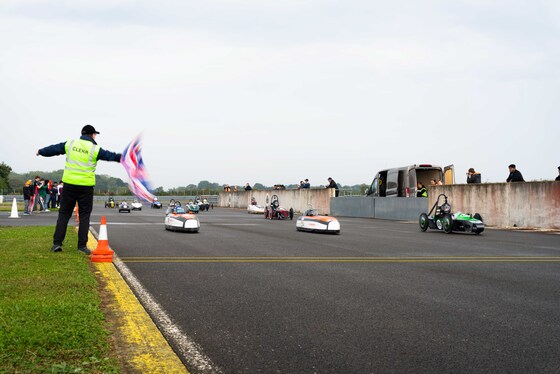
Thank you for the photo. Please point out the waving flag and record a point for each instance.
(137, 176)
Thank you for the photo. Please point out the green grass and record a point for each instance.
(7, 207)
(50, 316)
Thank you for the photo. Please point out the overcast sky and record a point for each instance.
(275, 92)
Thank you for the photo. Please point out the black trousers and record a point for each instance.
(72, 194)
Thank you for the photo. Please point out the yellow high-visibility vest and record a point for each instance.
(81, 161)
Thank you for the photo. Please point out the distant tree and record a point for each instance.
(204, 185)
(5, 171)
(259, 186)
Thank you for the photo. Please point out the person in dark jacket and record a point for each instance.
(473, 176)
(514, 174)
(333, 184)
(558, 177)
(28, 192)
(79, 180)
(54, 195)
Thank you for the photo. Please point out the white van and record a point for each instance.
(402, 182)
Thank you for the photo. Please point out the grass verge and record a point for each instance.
(50, 316)
(7, 207)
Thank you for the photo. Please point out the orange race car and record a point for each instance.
(311, 221)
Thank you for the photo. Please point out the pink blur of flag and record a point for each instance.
(137, 175)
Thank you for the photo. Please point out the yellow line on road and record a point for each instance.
(148, 349)
(296, 259)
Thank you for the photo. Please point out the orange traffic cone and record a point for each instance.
(102, 253)
(77, 213)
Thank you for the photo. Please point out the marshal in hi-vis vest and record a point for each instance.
(81, 160)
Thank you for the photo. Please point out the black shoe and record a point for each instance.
(56, 248)
(85, 250)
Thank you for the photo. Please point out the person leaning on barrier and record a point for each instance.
(79, 180)
(473, 176)
(514, 174)
(558, 177)
(333, 184)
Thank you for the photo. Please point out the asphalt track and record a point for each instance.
(258, 296)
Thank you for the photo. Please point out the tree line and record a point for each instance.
(12, 183)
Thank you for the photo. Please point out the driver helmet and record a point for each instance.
(445, 208)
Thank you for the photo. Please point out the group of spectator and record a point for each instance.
(514, 175)
(303, 184)
(40, 195)
(475, 177)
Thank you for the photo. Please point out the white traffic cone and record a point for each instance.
(14, 209)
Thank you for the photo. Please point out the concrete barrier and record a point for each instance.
(353, 206)
(393, 208)
(299, 200)
(524, 204)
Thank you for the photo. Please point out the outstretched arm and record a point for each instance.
(52, 150)
(106, 155)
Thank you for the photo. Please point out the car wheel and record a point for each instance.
(447, 223)
(423, 222)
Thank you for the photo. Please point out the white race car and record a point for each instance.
(255, 208)
(136, 205)
(311, 221)
(124, 207)
(176, 219)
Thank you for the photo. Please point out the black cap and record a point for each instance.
(88, 130)
(512, 166)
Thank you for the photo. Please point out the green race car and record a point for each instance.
(448, 222)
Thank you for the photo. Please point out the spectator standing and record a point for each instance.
(558, 177)
(333, 184)
(79, 180)
(248, 187)
(306, 183)
(27, 195)
(54, 195)
(48, 191)
(43, 194)
(36, 199)
(60, 187)
(473, 176)
(514, 174)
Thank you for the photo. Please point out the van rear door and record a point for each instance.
(392, 183)
(449, 174)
